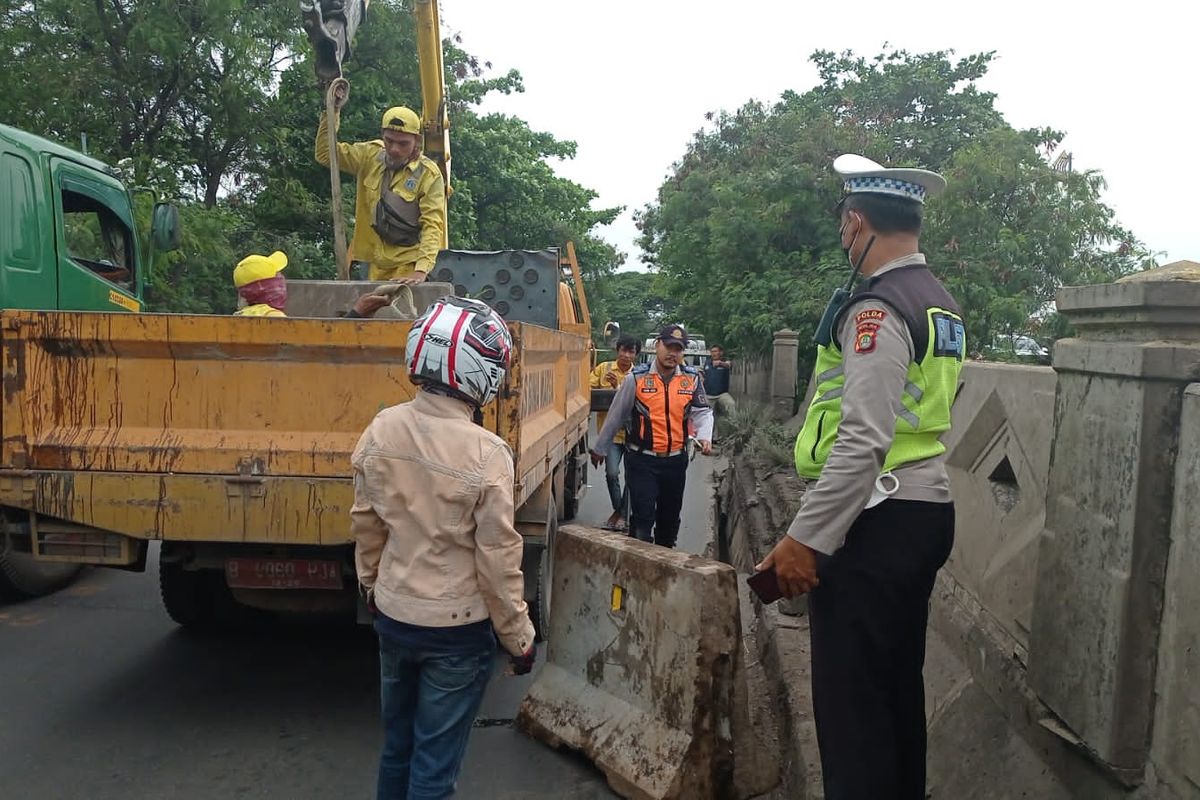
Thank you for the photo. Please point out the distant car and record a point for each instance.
(1024, 346)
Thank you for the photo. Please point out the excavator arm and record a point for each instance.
(434, 116)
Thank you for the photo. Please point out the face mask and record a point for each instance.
(268, 291)
(847, 250)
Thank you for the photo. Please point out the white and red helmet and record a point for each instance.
(463, 345)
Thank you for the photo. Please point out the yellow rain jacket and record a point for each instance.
(260, 310)
(597, 382)
(365, 161)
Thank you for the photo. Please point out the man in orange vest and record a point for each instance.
(655, 405)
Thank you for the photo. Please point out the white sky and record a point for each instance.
(631, 81)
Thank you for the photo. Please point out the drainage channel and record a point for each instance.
(493, 722)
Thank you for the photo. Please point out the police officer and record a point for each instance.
(878, 522)
(655, 403)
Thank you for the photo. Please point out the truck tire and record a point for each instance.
(22, 577)
(187, 596)
(570, 503)
(539, 609)
(199, 599)
(577, 463)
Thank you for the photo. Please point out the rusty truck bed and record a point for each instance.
(213, 428)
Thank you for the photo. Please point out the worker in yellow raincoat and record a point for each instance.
(400, 210)
(260, 282)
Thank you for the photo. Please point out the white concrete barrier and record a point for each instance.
(640, 666)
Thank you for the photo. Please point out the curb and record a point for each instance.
(778, 640)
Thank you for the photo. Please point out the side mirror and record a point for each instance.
(165, 230)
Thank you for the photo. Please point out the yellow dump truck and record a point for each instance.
(228, 439)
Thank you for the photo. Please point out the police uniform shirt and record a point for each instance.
(875, 359)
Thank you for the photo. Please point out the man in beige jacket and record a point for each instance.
(436, 549)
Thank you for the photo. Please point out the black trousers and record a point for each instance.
(868, 618)
(655, 496)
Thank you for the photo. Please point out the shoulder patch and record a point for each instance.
(866, 334)
(870, 315)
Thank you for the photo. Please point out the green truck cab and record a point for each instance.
(68, 242)
(67, 235)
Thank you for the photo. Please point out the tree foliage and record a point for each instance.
(744, 233)
(635, 301)
(215, 103)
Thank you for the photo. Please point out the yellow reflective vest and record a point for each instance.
(923, 414)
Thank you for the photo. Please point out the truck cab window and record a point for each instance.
(97, 239)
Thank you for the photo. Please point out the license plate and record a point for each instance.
(283, 573)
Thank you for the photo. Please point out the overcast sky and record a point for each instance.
(631, 81)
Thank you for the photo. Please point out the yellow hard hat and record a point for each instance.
(402, 119)
(256, 268)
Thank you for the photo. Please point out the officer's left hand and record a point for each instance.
(597, 458)
(412, 278)
(705, 446)
(795, 567)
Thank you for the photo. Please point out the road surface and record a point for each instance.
(103, 697)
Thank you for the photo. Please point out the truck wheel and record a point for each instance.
(539, 610)
(575, 462)
(22, 577)
(186, 595)
(570, 498)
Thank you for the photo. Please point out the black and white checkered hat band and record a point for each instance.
(879, 185)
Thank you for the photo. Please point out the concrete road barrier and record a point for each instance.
(641, 665)
(333, 298)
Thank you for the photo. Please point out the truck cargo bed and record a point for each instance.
(213, 428)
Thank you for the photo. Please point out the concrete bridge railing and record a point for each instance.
(1078, 540)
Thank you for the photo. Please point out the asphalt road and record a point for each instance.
(103, 697)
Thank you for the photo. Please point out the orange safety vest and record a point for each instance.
(658, 423)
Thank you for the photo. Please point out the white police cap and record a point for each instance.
(862, 175)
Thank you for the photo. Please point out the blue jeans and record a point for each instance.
(429, 705)
(612, 476)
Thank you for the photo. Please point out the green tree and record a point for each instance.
(743, 230)
(176, 87)
(635, 301)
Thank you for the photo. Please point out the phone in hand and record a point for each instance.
(765, 584)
